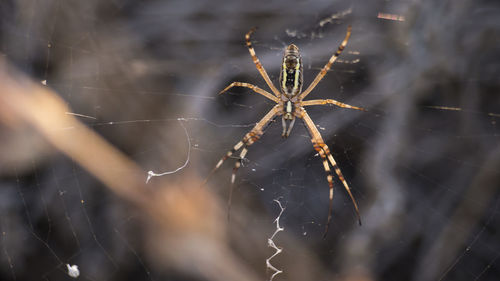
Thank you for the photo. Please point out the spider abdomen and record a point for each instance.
(291, 72)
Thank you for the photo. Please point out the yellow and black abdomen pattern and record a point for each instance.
(291, 71)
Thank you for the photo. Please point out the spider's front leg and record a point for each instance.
(324, 152)
(249, 139)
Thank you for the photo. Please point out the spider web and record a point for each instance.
(422, 162)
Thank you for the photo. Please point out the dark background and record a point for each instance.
(426, 179)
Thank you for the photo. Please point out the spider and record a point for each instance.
(290, 105)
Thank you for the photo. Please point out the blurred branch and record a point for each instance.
(186, 218)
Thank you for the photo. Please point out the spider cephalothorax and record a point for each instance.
(290, 105)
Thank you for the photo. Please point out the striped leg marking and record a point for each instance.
(329, 178)
(324, 152)
(342, 179)
(249, 139)
(330, 101)
(224, 158)
(253, 87)
(325, 69)
(259, 66)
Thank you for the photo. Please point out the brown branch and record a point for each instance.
(187, 221)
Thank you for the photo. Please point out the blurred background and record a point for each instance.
(423, 162)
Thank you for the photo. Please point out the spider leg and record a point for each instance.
(329, 178)
(253, 87)
(330, 101)
(259, 66)
(341, 177)
(249, 139)
(324, 152)
(237, 165)
(325, 69)
(224, 158)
